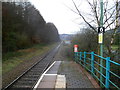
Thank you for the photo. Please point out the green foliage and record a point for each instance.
(12, 59)
(117, 39)
(115, 47)
(14, 41)
(22, 41)
(52, 33)
(10, 45)
(39, 46)
(86, 40)
(10, 55)
(24, 26)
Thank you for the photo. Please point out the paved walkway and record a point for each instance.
(75, 77)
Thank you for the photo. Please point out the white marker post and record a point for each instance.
(75, 48)
(75, 51)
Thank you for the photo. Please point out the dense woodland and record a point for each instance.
(23, 26)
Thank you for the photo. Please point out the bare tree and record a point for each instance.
(111, 15)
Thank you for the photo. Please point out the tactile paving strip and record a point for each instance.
(75, 78)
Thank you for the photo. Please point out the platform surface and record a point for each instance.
(66, 74)
(76, 76)
(49, 77)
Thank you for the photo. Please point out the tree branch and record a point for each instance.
(83, 17)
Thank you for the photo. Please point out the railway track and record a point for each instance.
(30, 77)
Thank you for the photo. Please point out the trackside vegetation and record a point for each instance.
(13, 59)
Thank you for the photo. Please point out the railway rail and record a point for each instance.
(30, 77)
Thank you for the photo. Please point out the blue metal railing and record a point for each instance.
(90, 62)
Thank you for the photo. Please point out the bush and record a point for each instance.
(86, 40)
(9, 42)
(22, 41)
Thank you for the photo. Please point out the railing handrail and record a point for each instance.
(82, 56)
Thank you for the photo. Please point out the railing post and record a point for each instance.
(84, 58)
(75, 56)
(80, 57)
(92, 63)
(107, 72)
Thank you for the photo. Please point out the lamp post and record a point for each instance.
(101, 31)
(101, 35)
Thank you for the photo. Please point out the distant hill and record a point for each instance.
(66, 36)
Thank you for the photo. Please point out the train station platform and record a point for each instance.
(65, 74)
(51, 79)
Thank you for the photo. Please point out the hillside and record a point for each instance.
(24, 26)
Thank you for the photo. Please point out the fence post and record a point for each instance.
(92, 63)
(107, 72)
(84, 58)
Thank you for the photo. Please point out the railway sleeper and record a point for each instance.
(34, 73)
(24, 83)
(26, 79)
(18, 86)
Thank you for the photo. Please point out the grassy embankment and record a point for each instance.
(12, 59)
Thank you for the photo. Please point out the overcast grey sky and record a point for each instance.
(56, 11)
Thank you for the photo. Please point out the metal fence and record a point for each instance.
(110, 74)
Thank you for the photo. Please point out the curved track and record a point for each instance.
(29, 78)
